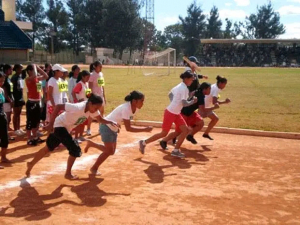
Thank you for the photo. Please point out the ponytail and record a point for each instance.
(221, 79)
(95, 99)
(83, 73)
(134, 95)
(94, 65)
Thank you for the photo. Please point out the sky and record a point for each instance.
(167, 12)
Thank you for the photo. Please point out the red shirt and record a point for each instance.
(34, 88)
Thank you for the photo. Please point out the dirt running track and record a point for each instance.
(232, 180)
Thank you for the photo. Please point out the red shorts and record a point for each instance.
(170, 118)
(192, 119)
(50, 110)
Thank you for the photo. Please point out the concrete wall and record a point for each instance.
(9, 8)
(13, 56)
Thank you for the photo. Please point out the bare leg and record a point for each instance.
(70, 164)
(171, 136)
(3, 156)
(198, 127)
(110, 150)
(184, 132)
(214, 120)
(90, 120)
(8, 115)
(38, 156)
(91, 144)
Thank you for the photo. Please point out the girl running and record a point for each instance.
(96, 84)
(3, 124)
(80, 93)
(33, 110)
(73, 115)
(73, 81)
(109, 133)
(18, 85)
(178, 97)
(210, 101)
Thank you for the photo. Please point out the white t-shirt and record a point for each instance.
(74, 115)
(98, 83)
(57, 94)
(72, 84)
(214, 92)
(180, 92)
(123, 111)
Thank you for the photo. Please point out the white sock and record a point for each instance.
(176, 150)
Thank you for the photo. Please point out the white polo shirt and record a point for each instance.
(214, 92)
(180, 92)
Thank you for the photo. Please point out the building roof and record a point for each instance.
(248, 41)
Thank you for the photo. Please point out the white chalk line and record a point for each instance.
(80, 164)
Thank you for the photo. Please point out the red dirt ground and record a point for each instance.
(232, 180)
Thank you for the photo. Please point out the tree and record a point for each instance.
(160, 41)
(122, 25)
(213, 29)
(32, 11)
(58, 23)
(76, 36)
(264, 24)
(174, 37)
(193, 29)
(232, 31)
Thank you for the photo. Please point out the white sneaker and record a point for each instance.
(78, 141)
(88, 132)
(22, 131)
(81, 139)
(18, 133)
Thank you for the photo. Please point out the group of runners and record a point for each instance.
(64, 107)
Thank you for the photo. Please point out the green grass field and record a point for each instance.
(262, 98)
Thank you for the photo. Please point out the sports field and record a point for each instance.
(231, 180)
(262, 98)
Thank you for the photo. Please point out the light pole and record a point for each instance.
(52, 34)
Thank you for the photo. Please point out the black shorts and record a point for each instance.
(3, 131)
(33, 114)
(61, 135)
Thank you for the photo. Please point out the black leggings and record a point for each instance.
(33, 114)
(3, 131)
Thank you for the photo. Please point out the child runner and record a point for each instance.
(210, 101)
(73, 115)
(33, 110)
(8, 90)
(109, 134)
(96, 84)
(3, 124)
(192, 118)
(73, 75)
(18, 85)
(178, 97)
(80, 93)
(48, 70)
(55, 88)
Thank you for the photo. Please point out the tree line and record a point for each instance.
(118, 24)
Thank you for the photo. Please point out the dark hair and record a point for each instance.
(24, 74)
(17, 66)
(6, 67)
(187, 74)
(134, 95)
(95, 99)
(47, 65)
(74, 67)
(29, 68)
(95, 64)
(204, 85)
(1, 75)
(221, 79)
(83, 73)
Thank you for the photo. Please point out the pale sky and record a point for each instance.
(167, 12)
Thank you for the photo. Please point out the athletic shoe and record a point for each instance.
(163, 145)
(39, 134)
(81, 139)
(78, 141)
(31, 142)
(88, 132)
(177, 154)
(191, 139)
(142, 146)
(22, 131)
(207, 136)
(18, 133)
(174, 141)
(39, 141)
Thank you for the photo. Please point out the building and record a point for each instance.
(14, 43)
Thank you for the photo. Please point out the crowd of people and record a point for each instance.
(249, 55)
(64, 103)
